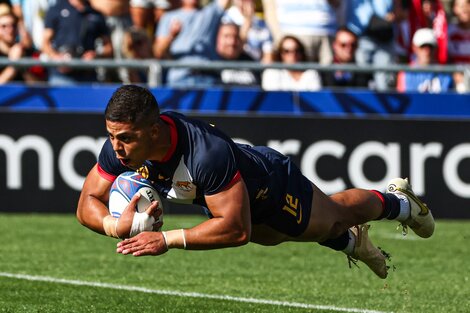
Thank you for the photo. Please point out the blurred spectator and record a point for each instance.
(31, 15)
(116, 13)
(229, 48)
(459, 40)
(415, 14)
(424, 47)
(146, 14)
(188, 34)
(373, 22)
(291, 51)
(136, 45)
(344, 49)
(402, 36)
(9, 47)
(74, 30)
(313, 22)
(430, 14)
(254, 33)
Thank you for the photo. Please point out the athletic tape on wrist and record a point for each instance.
(165, 239)
(184, 238)
(115, 228)
(110, 226)
(141, 222)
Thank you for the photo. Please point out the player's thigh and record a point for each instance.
(313, 221)
(323, 217)
(267, 236)
(321, 223)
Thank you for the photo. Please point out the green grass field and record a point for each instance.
(50, 263)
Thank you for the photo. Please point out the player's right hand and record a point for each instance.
(124, 223)
(132, 223)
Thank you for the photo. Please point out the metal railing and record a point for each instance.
(155, 67)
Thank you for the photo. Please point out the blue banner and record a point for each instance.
(242, 101)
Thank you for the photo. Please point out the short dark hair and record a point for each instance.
(132, 104)
(347, 30)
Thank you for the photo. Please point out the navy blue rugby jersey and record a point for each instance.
(204, 161)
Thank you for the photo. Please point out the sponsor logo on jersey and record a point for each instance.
(184, 185)
(143, 171)
(262, 194)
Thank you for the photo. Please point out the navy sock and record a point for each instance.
(339, 244)
(390, 205)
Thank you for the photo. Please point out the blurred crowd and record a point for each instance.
(344, 32)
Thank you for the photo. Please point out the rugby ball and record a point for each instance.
(125, 186)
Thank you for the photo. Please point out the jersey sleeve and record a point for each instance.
(216, 166)
(109, 166)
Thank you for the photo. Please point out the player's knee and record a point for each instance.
(337, 229)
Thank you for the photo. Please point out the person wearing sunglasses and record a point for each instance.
(344, 50)
(291, 51)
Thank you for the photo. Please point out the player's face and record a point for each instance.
(132, 144)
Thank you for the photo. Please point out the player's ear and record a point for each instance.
(155, 130)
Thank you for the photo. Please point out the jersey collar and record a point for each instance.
(173, 137)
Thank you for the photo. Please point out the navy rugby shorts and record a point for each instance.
(291, 193)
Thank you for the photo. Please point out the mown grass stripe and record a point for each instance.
(185, 294)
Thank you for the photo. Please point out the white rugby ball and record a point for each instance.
(125, 186)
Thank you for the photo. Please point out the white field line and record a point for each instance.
(185, 294)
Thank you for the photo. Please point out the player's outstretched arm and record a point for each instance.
(92, 208)
(230, 227)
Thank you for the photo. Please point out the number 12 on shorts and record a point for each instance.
(292, 206)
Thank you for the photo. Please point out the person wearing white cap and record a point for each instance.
(424, 45)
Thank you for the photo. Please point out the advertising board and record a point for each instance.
(44, 157)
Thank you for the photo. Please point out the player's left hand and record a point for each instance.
(145, 243)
